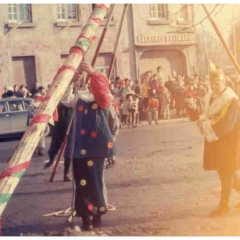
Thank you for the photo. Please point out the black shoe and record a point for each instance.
(48, 164)
(220, 211)
(86, 224)
(97, 222)
(66, 178)
(40, 152)
(35, 154)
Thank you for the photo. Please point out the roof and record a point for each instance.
(15, 99)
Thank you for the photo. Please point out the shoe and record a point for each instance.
(40, 152)
(35, 154)
(86, 224)
(66, 178)
(220, 211)
(97, 222)
(48, 164)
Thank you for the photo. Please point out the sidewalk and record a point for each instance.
(173, 120)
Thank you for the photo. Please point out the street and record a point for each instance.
(158, 187)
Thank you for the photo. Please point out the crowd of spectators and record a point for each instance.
(21, 91)
(156, 97)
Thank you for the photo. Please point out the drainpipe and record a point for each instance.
(134, 49)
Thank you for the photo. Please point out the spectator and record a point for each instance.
(174, 74)
(165, 102)
(132, 110)
(196, 79)
(145, 96)
(131, 84)
(200, 101)
(35, 88)
(159, 72)
(138, 92)
(152, 108)
(112, 89)
(147, 77)
(8, 92)
(179, 95)
(23, 92)
(15, 90)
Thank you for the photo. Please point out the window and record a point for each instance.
(16, 106)
(104, 70)
(67, 12)
(102, 64)
(3, 108)
(20, 12)
(158, 11)
(24, 70)
(183, 12)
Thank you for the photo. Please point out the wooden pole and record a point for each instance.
(102, 38)
(103, 35)
(61, 150)
(21, 157)
(117, 41)
(221, 39)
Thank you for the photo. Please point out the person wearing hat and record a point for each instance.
(90, 141)
(220, 125)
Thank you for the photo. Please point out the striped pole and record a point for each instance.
(20, 160)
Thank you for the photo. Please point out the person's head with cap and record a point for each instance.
(217, 79)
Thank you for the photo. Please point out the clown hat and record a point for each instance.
(215, 73)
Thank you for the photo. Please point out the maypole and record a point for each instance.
(92, 63)
(20, 160)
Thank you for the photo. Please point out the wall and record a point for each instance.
(47, 42)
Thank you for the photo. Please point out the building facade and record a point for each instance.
(35, 40)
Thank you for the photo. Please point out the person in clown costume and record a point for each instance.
(220, 125)
(90, 141)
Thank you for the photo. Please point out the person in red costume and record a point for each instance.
(90, 141)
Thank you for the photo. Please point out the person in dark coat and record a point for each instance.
(34, 90)
(220, 124)
(58, 134)
(90, 141)
(179, 95)
(60, 130)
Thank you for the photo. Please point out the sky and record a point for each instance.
(225, 15)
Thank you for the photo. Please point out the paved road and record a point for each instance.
(158, 187)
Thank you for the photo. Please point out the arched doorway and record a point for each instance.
(169, 60)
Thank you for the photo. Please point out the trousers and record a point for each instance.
(229, 181)
(59, 133)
